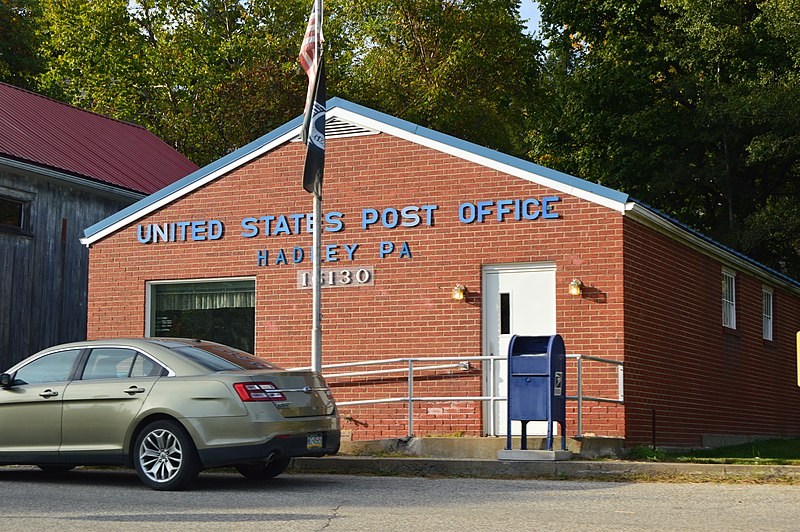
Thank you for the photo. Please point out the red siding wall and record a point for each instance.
(408, 311)
(682, 366)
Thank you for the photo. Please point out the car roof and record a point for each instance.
(159, 348)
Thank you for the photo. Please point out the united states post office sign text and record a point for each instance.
(410, 216)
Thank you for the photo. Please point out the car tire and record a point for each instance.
(55, 468)
(263, 471)
(165, 456)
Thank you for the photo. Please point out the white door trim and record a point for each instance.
(517, 267)
(489, 380)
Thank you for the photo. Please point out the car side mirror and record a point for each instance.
(6, 380)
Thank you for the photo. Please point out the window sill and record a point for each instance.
(15, 231)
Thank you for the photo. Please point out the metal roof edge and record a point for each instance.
(186, 184)
(102, 188)
(644, 213)
(482, 155)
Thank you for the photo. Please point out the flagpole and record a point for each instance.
(316, 272)
(313, 134)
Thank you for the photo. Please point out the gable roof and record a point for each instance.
(37, 130)
(345, 119)
(348, 119)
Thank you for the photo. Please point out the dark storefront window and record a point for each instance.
(220, 311)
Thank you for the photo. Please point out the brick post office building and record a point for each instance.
(705, 335)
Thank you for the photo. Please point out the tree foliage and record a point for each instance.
(463, 67)
(691, 106)
(211, 75)
(207, 76)
(19, 42)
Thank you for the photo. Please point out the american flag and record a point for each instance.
(314, 123)
(311, 52)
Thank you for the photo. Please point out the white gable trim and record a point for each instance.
(370, 123)
(188, 189)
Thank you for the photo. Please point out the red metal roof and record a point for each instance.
(39, 130)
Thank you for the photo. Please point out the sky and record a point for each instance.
(529, 10)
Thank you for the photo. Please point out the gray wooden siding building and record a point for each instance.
(62, 169)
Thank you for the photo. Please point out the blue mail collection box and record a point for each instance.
(537, 384)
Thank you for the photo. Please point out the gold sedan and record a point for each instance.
(168, 407)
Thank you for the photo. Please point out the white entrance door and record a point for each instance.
(517, 299)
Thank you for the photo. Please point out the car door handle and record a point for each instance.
(48, 393)
(134, 390)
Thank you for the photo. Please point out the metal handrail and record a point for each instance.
(581, 398)
(462, 363)
(395, 361)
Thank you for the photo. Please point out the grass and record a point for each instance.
(765, 452)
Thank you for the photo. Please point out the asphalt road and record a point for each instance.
(91, 500)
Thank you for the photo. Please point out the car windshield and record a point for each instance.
(216, 357)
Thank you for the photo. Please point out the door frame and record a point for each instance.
(488, 380)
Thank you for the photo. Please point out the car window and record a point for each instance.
(222, 358)
(55, 367)
(109, 363)
(144, 367)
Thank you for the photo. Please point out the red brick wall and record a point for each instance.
(408, 311)
(683, 366)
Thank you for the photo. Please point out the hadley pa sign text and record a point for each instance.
(410, 216)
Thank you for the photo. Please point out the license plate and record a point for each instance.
(314, 441)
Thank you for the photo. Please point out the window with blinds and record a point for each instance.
(766, 296)
(221, 311)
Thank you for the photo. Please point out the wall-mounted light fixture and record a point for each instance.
(459, 292)
(575, 287)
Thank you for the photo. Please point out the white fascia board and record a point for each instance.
(189, 188)
(708, 247)
(467, 155)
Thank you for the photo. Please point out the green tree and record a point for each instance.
(19, 62)
(687, 105)
(207, 76)
(463, 67)
(211, 75)
(772, 231)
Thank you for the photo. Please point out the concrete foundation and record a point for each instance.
(477, 448)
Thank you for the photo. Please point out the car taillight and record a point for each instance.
(258, 391)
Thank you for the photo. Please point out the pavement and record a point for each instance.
(477, 458)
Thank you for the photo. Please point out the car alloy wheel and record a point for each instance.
(166, 458)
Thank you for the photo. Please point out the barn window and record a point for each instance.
(728, 299)
(218, 310)
(11, 213)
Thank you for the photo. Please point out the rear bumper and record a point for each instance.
(280, 447)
